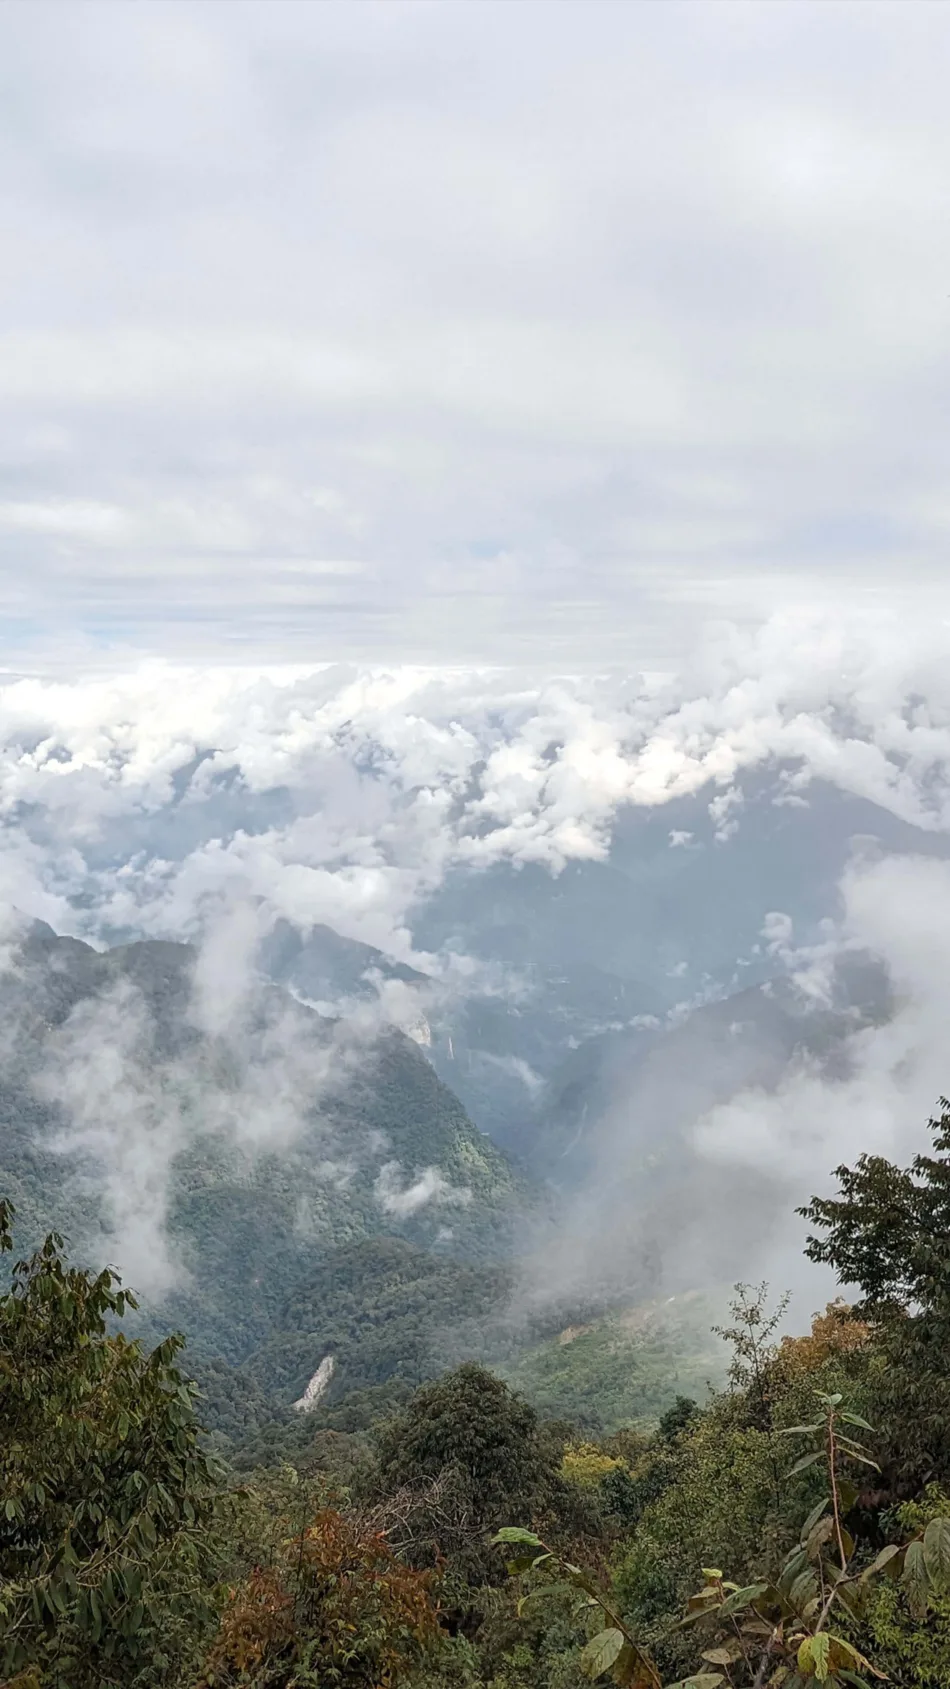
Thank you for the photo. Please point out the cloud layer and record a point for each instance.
(150, 803)
(208, 805)
(417, 332)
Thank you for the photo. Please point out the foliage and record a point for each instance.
(586, 1465)
(473, 1434)
(614, 1373)
(335, 1608)
(358, 1551)
(913, 1650)
(106, 1539)
(888, 1231)
(778, 1629)
(384, 1309)
(248, 1230)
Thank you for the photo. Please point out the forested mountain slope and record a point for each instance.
(247, 1147)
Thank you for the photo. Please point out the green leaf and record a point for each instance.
(822, 1531)
(601, 1652)
(805, 1461)
(521, 1563)
(855, 1419)
(914, 1580)
(742, 1598)
(814, 1656)
(799, 1430)
(814, 1517)
(883, 1560)
(514, 1533)
(542, 1589)
(937, 1552)
(847, 1494)
(854, 1453)
(802, 1591)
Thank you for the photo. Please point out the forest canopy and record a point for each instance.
(793, 1526)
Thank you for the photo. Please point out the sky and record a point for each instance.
(467, 333)
(430, 428)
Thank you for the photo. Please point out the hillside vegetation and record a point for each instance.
(290, 1135)
(793, 1528)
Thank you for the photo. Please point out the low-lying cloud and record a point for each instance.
(145, 804)
(213, 806)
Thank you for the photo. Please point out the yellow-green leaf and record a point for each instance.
(814, 1656)
(601, 1652)
(937, 1552)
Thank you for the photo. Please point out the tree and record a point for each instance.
(470, 1421)
(888, 1231)
(336, 1608)
(797, 1627)
(106, 1494)
(487, 1451)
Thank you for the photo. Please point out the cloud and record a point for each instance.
(153, 802)
(170, 802)
(379, 350)
(123, 1127)
(402, 1199)
(207, 1055)
(897, 910)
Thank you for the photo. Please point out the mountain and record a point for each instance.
(326, 968)
(378, 1317)
(218, 1147)
(672, 916)
(665, 1077)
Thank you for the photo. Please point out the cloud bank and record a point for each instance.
(173, 803)
(417, 332)
(146, 804)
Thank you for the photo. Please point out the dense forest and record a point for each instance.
(792, 1526)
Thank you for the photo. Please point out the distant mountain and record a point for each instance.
(672, 916)
(326, 968)
(665, 1077)
(260, 1144)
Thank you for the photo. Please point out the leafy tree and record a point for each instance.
(794, 1628)
(470, 1424)
(335, 1609)
(888, 1231)
(107, 1497)
(680, 1417)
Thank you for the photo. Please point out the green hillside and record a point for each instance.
(376, 1143)
(625, 1369)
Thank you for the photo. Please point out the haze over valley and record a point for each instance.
(581, 982)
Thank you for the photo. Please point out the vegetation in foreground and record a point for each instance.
(794, 1528)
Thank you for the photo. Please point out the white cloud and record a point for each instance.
(898, 910)
(157, 800)
(400, 1198)
(554, 362)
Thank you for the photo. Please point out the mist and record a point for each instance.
(713, 904)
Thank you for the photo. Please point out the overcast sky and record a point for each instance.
(467, 332)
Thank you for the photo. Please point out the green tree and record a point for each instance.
(479, 1450)
(106, 1497)
(888, 1231)
(807, 1623)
